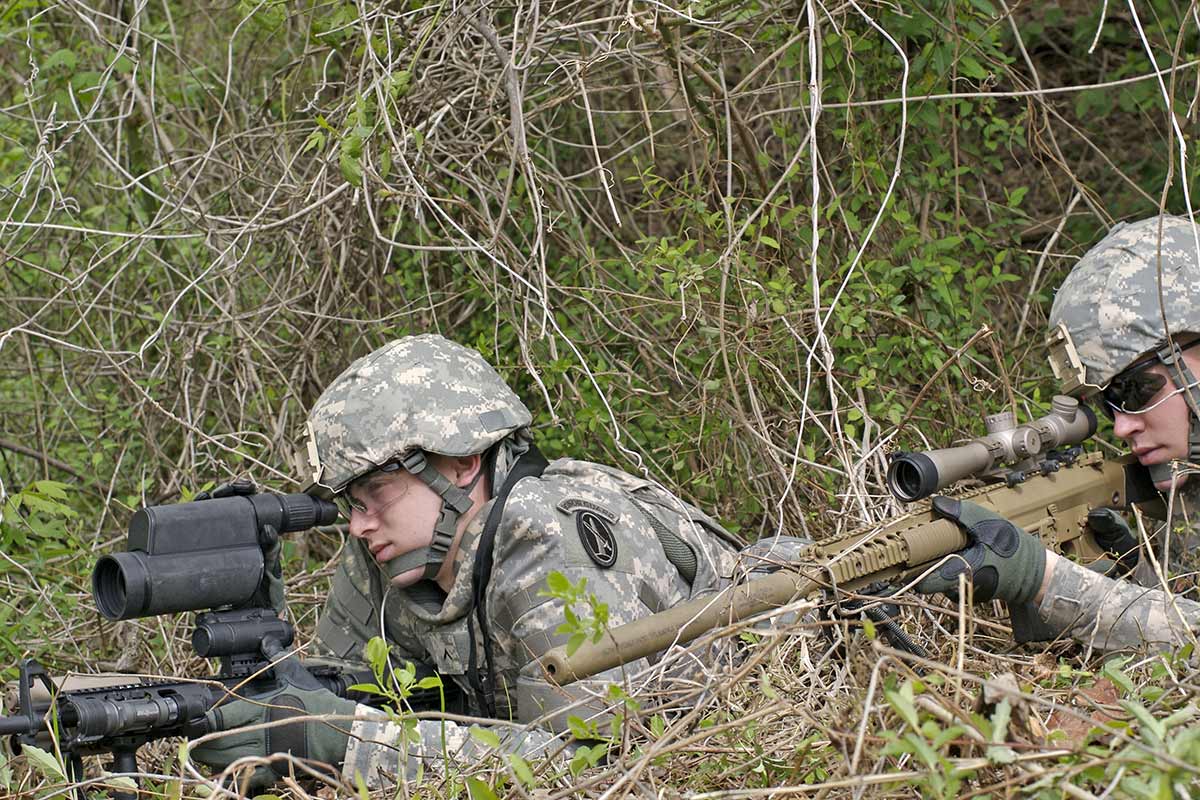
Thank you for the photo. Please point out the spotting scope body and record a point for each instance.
(199, 555)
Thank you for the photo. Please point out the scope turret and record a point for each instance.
(199, 555)
(914, 476)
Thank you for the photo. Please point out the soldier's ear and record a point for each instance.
(465, 468)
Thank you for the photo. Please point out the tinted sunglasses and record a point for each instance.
(1131, 391)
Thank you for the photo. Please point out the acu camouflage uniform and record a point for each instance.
(640, 548)
(1106, 315)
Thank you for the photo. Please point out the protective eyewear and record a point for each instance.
(347, 503)
(1131, 391)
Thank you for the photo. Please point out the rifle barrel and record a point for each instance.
(10, 726)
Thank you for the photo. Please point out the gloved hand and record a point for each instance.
(1114, 535)
(270, 593)
(1002, 562)
(242, 486)
(297, 693)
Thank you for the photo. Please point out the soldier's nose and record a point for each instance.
(1125, 425)
(359, 524)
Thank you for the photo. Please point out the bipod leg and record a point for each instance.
(125, 761)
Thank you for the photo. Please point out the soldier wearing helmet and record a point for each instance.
(1123, 330)
(456, 523)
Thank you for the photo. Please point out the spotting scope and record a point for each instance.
(1008, 452)
(200, 555)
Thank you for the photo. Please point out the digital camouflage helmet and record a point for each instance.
(413, 396)
(1110, 312)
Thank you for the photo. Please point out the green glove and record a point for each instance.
(1116, 537)
(297, 693)
(1002, 562)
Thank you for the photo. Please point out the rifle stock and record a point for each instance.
(1053, 506)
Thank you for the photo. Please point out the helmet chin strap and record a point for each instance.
(1171, 357)
(455, 503)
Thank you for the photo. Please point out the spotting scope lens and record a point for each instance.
(108, 587)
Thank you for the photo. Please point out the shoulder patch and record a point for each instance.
(594, 524)
(596, 536)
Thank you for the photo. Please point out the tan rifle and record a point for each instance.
(1046, 491)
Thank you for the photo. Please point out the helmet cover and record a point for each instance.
(1109, 310)
(416, 393)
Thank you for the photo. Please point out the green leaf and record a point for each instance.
(351, 169)
(44, 762)
(578, 729)
(768, 241)
(558, 583)
(520, 768)
(1153, 731)
(431, 682)
(480, 790)
(367, 688)
(485, 736)
(125, 782)
(376, 652)
(1000, 722)
(64, 58)
(1112, 670)
(869, 629)
(50, 489)
(315, 141)
(971, 68)
(361, 785)
(902, 702)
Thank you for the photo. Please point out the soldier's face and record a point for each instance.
(1159, 433)
(394, 514)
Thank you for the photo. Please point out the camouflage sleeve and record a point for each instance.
(386, 752)
(1114, 615)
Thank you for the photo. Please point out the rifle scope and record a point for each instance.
(199, 555)
(914, 476)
